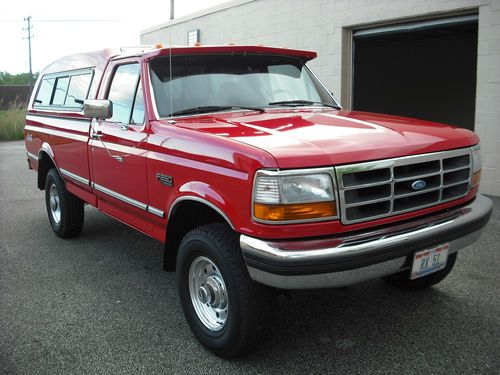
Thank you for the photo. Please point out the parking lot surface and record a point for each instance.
(101, 304)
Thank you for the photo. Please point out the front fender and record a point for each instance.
(204, 193)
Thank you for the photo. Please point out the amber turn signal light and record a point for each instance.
(302, 211)
(476, 177)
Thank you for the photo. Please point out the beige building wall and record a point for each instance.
(326, 26)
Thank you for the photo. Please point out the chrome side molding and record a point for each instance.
(74, 176)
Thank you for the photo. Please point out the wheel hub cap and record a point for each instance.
(213, 293)
(204, 295)
(54, 204)
(208, 293)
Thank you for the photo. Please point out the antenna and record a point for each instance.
(171, 120)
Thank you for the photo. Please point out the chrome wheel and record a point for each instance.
(55, 204)
(208, 293)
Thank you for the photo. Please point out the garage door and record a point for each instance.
(422, 69)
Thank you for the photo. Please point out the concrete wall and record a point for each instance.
(326, 26)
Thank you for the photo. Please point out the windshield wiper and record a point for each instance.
(299, 102)
(212, 108)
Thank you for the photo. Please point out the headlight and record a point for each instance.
(476, 165)
(293, 196)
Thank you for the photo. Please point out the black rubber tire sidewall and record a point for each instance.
(218, 338)
(56, 227)
(72, 212)
(248, 302)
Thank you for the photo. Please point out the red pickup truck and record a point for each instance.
(244, 165)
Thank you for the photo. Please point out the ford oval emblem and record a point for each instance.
(418, 185)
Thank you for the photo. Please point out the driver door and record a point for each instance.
(118, 149)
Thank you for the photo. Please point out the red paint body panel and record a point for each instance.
(205, 166)
(237, 202)
(214, 157)
(84, 194)
(67, 132)
(67, 137)
(127, 177)
(316, 137)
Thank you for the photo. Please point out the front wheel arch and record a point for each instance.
(185, 215)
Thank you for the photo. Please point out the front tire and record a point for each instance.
(65, 211)
(227, 312)
(402, 280)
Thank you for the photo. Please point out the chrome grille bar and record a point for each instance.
(379, 189)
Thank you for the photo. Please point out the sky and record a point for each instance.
(62, 27)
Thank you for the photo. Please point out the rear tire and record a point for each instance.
(402, 280)
(65, 211)
(227, 312)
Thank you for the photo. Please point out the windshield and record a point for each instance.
(206, 82)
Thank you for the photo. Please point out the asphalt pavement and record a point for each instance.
(101, 304)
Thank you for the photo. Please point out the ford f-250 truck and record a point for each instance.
(244, 165)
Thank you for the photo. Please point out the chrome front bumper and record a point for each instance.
(342, 261)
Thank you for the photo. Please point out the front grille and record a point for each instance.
(388, 187)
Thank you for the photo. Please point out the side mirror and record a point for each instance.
(100, 108)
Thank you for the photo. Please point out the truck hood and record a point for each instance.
(318, 137)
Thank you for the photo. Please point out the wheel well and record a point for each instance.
(185, 216)
(45, 164)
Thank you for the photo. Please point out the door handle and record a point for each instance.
(96, 134)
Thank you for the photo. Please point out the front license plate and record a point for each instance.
(428, 261)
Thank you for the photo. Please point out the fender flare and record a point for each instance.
(48, 150)
(201, 192)
(44, 153)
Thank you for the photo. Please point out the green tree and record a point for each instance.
(16, 79)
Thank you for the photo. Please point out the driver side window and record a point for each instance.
(126, 94)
